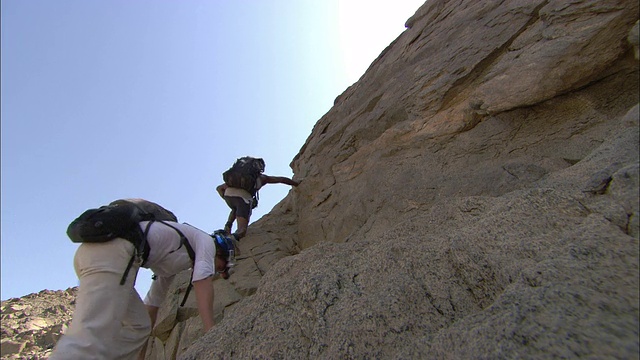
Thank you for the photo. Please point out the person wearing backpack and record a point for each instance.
(110, 321)
(240, 191)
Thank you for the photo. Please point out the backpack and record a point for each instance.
(118, 219)
(244, 175)
(121, 219)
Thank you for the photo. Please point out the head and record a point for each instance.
(261, 165)
(225, 253)
(220, 263)
(258, 163)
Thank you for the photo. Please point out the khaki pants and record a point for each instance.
(110, 321)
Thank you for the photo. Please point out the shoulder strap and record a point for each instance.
(192, 254)
(183, 241)
(142, 249)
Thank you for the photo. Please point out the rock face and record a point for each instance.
(31, 325)
(474, 195)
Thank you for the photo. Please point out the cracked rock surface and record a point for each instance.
(473, 195)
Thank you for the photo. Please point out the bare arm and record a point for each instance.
(204, 299)
(278, 180)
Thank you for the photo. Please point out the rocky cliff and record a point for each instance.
(31, 325)
(474, 195)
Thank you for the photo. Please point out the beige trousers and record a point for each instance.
(109, 321)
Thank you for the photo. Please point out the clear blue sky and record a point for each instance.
(154, 99)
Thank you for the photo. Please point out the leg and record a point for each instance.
(241, 212)
(136, 327)
(231, 203)
(242, 219)
(229, 225)
(102, 304)
(243, 223)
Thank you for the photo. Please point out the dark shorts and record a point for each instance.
(237, 204)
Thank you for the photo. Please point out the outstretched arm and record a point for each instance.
(278, 180)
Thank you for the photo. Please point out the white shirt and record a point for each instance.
(237, 192)
(242, 193)
(169, 257)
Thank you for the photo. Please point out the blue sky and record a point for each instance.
(102, 100)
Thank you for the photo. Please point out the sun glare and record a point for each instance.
(367, 27)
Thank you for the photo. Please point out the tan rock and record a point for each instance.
(31, 325)
(168, 312)
(155, 349)
(633, 39)
(11, 347)
(36, 323)
(474, 194)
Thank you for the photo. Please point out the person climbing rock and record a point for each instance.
(240, 191)
(110, 320)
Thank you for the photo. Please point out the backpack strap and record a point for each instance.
(192, 254)
(142, 249)
(183, 241)
(126, 271)
(186, 294)
(144, 244)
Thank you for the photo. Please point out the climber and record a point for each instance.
(110, 320)
(239, 191)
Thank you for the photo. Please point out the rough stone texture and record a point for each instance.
(177, 327)
(474, 195)
(31, 325)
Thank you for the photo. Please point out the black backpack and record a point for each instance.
(118, 219)
(121, 219)
(244, 174)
